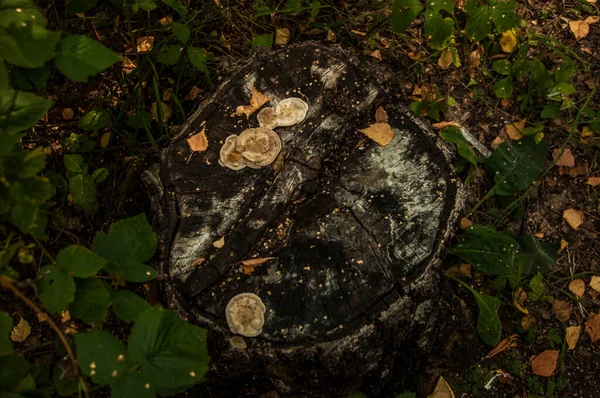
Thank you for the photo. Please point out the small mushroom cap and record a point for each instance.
(260, 145)
(291, 111)
(267, 117)
(228, 156)
(245, 314)
(238, 342)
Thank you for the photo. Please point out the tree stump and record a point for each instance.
(354, 230)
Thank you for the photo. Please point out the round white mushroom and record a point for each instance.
(259, 146)
(267, 118)
(229, 156)
(245, 314)
(291, 111)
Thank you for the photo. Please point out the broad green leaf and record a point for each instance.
(58, 289)
(140, 119)
(19, 111)
(65, 384)
(516, 165)
(265, 40)
(94, 120)
(29, 11)
(146, 5)
(169, 55)
(488, 251)
(536, 256)
(503, 15)
(521, 67)
(138, 273)
(135, 385)
(75, 164)
(80, 261)
(502, 66)
(181, 31)
(100, 175)
(407, 395)
(27, 44)
(27, 384)
(438, 29)
(537, 287)
(531, 130)
(13, 369)
(550, 111)
(197, 58)
(439, 5)
(83, 191)
(453, 135)
(3, 76)
(101, 355)
(34, 162)
(561, 88)
(172, 352)
(404, 12)
(479, 24)
(504, 88)
(80, 57)
(127, 305)
(564, 72)
(92, 300)
(488, 321)
(77, 6)
(176, 5)
(6, 324)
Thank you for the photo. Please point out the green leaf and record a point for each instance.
(172, 352)
(438, 29)
(504, 88)
(503, 66)
(537, 287)
(65, 383)
(439, 5)
(561, 88)
(99, 355)
(479, 24)
(27, 44)
(27, 79)
(550, 111)
(487, 250)
(75, 164)
(146, 5)
(94, 120)
(564, 72)
(181, 31)
(521, 67)
(265, 40)
(92, 300)
(34, 162)
(503, 15)
(80, 261)
(19, 111)
(27, 384)
(176, 5)
(13, 369)
(531, 130)
(29, 11)
(407, 395)
(6, 324)
(139, 120)
(453, 135)
(77, 6)
(169, 55)
(3, 76)
(83, 191)
(128, 244)
(58, 289)
(536, 256)
(80, 57)
(488, 321)
(100, 175)
(133, 385)
(404, 12)
(197, 57)
(516, 165)
(127, 306)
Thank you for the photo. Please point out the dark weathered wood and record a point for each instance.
(356, 229)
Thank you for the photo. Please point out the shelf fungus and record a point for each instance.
(255, 148)
(245, 314)
(288, 112)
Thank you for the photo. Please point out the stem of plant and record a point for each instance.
(8, 283)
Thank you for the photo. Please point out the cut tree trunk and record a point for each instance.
(355, 230)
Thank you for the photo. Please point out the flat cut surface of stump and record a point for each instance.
(348, 222)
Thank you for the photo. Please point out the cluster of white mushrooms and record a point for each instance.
(258, 147)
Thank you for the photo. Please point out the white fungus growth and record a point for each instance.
(254, 148)
(288, 112)
(245, 314)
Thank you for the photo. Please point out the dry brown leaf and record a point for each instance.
(381, 115)
(519, 296)
(331, 36)
(68, 114)
(574, 218)
(104, 140)
(279, 163)
(592, 19)
(508, 42)
(442, 389)
(566, 159)
(144, 44)
(166, 21)
(563, 246)
(445, 59)
(580, 29)
(127, 66)
(497, 141)
(65, 316)
(381, 133)
(595, 283)
(509, 342)
(198, 142)
(282, 36)
(443, 125)
(580, 170)
(257, 100)
(42, 317)
(513, 130)
(592, 327)
(459, 270)
(465, 223)
(219, 243)
(358, 33)
(474, 60)
(562, 310)
(544, 364)
(593, 181)
(577, 286)
(167, 111)
(249, 265)
(572, 335)
(540, 234)
(192, 94)
(376, 54)
(21, 331)
(528, 322)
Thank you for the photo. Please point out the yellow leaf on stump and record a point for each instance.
(381, 133)
(257, 100)
(198, 142)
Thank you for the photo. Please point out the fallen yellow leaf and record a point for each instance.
(282, 36)
(574, 218)
(167, 111)
(513, 130)
(442, 389)
(144, 44)
(562, 310)
(459, 270)
(519, 296)
(528, 322)
(592, 19)
(381, 115)
(194, 91)
(508, 42)
(593, 181)
(592, 327)
(249, 265)
(21, 331)
(572, 335)
(257, 100)
(166, 21)
(443, 125)
(376, 54)
(544, 364)
(577, 286)
(595, 283)
(580, 29)
(445, 59)
(331, 36)
(509, 342)
(65, 316)
(219, 243)
(104, 140)
(465, 223)
(198, 142)
(564, 159)
(563, 246)
(381, 133)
